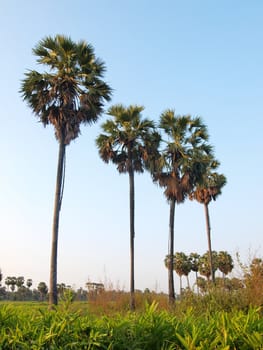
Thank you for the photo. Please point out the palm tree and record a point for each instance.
(204, 266)
(20, 281)
(181, 165)
(225, 263)
(43, 290)
(11, 281)
(71, 93)
(127, 142)
(29, 283)
(8, 281)
(194, 260)
(182, 267)
(207, 190)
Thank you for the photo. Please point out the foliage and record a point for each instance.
(33, 328)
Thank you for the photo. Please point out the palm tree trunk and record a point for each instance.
(171, 253)
(196, 282)
(188, 282)
(53, 297)
(132, 233)
(208, 231)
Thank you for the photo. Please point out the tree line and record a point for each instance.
(176, 151)
(183, 264)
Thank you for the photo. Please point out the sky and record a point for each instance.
(203, 58)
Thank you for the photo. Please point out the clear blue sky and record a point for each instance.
(199, 57)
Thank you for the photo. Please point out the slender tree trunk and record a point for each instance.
(181, 287)
(132, 234)
(196, 282)
(188, 282)
(171, 254)
(208, 231)
(53, 298)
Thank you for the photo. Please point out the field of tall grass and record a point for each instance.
(194, 323)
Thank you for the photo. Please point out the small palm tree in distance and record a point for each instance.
(208, 189)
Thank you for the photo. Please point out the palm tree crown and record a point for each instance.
(210, 188)
(127, 139)
(71, 92)
(185, 155)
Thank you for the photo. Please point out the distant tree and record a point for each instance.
(29, 282)
(127, 142)
(23, 293)
(181, 165)
(202, 284)
(204, 267)
(207, 190)
(182, 267)
(71, 93)
(8, 281)
(43, 290)
(225, 263)
(94, 289)
(1, 276)
(194, 260)
(12, 283)
(61, 287)
(20, 281)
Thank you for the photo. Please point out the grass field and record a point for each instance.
(77, 326)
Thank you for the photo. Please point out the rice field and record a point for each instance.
(31, 326)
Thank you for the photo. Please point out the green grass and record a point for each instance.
(72, 326)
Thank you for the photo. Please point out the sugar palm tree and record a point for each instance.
(207, 190)
(43, 290)
(194, 260)
(182, 267)
(204, 267)
(183, 161)
(69, 94)
(127, 141)
(29, 283)
(225, 263)
(20, 281)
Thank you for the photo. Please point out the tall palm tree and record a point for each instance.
(69, 94)
(207, 190)
(183, 161)
(127, 141)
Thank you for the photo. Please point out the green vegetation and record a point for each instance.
(224, 315)
(30, 327)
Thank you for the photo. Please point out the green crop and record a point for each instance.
(30, 327)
